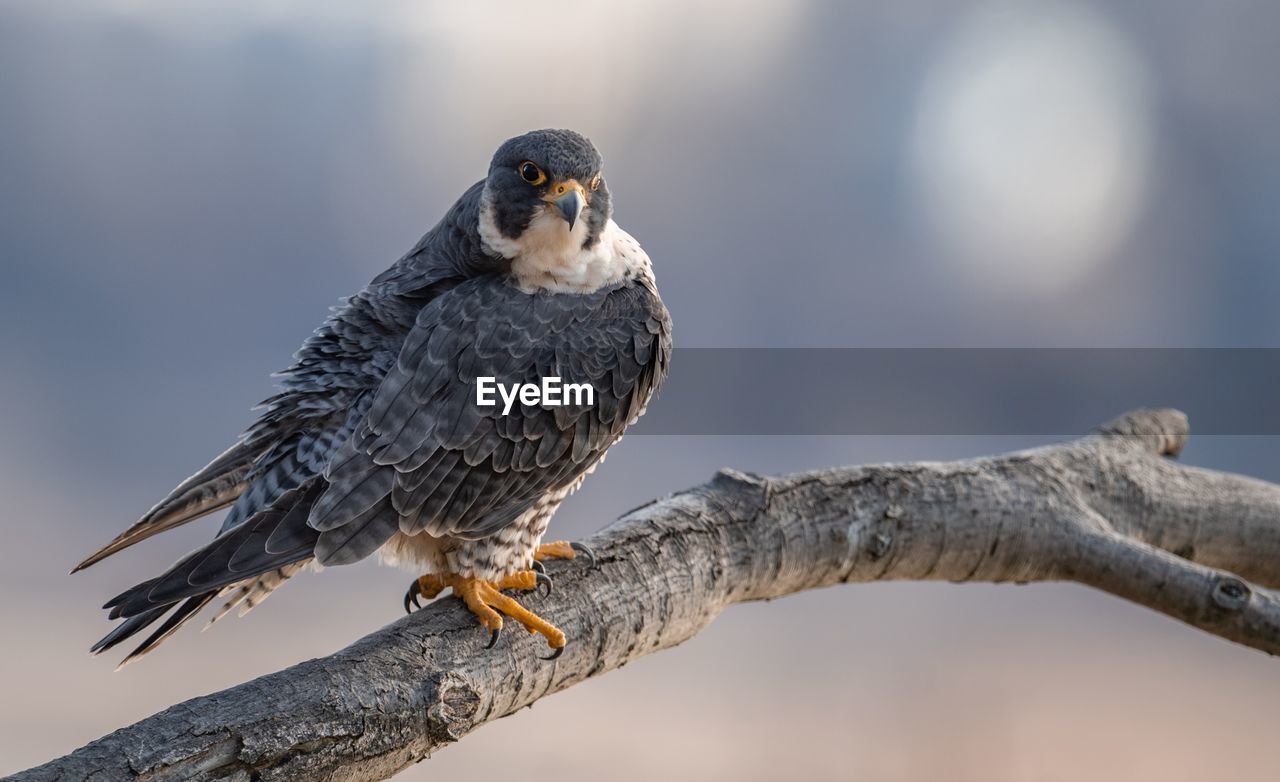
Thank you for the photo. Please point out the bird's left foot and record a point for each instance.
(564, 549)
(485, 600)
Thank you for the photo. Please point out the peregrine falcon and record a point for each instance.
(376, 441)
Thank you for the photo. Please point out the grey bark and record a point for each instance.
(1108, 510)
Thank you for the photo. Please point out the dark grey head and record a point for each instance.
(548, 172)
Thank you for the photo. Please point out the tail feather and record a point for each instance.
(234, 556)
(128, 628)
(177, 619)
(212, 488)
(251, 592)
(248, 594)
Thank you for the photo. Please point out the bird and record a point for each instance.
(375, 441)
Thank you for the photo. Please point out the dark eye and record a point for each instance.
(595, 182)
(530, 173)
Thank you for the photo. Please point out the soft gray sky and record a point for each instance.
(185, 188)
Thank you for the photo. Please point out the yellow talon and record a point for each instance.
(482, 597)
(559, 549)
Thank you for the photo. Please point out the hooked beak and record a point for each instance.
(570, 203)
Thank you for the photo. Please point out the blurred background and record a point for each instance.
(185, 187)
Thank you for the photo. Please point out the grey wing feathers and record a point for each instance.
(211, 489)
(273, 538)
(376, 430)
(268, 474)
(428, 458)
(263, 477)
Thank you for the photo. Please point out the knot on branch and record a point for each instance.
(881, 542)
(1230, 593)
(1164, 431)
(452, 709)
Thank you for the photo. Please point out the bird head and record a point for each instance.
(546, 186)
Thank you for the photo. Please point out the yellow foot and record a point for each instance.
(482, 597)
(563, 549)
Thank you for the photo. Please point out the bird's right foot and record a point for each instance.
(485, 599)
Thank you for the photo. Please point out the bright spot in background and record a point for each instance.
(602, 61)
(1030, 148)
(462, 77)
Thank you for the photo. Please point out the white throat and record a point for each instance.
(549, 256)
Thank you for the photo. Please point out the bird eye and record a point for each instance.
(595, 182)
(530, 173)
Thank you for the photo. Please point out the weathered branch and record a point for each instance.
(1106, 510)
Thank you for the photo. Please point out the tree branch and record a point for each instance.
(1106, 510)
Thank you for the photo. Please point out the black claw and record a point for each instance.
(585, 551)
(543, 580)
(538, 567)
(411, 596)
(554, 654)
(493, 639)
